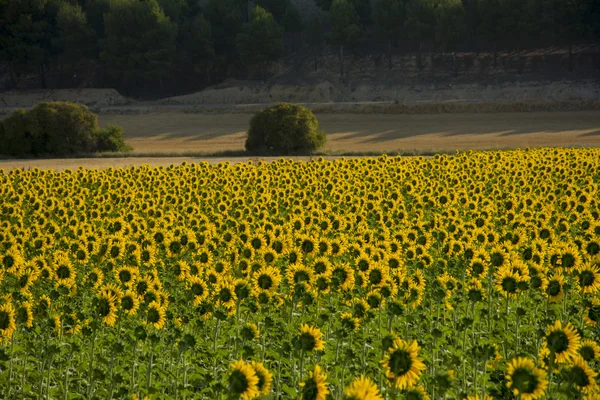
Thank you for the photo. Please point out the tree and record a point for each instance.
(362, 8)
(285, 129)
(275, 7)
(176, 10)
(420, 23)
(139, 44)
(345, 28)
(389, 17)
(592, 18)
(490, 24)
(450, 23)
(567, 21)
(225, 20)
(195, 47)
(25, 36)
(315, 37)
(261, 40)
(95, 10)
(76, 40)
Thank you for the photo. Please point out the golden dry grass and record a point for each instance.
(180, 133)
(172, 133)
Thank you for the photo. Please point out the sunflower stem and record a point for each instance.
(149, 372)
(301, 364)
(10, 368)
(91, 365)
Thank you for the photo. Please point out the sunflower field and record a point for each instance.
(467, 276)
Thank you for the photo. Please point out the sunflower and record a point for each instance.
(106, 307)
(7, 321)
(589, 350)
(553, 287)
(402, 364)
(24, 314)
(525, 379)
(266, 279)
(243, 381)
(592, 313)
(265, 378)
(95, 278)
(309, 338)
(250, 332)
(127, 276)
(225, 294)
(349, 323)
(297, 273)
(562, 341)
(588, 278)
(197, 288)
(156, 314)
(477, 397)
(582, 375)
(507, 281)
(362, 388)
(416, 393)
(342, 277)
(181, 270)
(315, 386)
(130, 302)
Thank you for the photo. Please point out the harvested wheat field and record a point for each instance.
(179, 133)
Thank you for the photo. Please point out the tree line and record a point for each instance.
(158, 42)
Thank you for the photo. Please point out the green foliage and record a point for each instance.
(285, 129)
(261, 40)
(195, 43)
(111, 139)
(225, 20)
(389, 17)
(58, 129)
(17, 136)
(345, 23)
(139, 44)
(420, 19)
(450, 22)
(76, 39)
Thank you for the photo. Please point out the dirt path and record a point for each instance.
(174, 133)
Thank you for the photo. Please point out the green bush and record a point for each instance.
(57, 129)
(111, 139)
(18, 136)
(284, 128)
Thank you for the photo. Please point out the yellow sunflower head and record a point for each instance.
(265, 378)
(315, 386)
(525, 379)
(580, 373)
(243, 381)
(362, 388)
(562, 341)
(589, 350)
(310, 338)
(402, 364)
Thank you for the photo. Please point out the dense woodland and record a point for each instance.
(140, 43)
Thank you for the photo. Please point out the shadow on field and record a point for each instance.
(380, 128)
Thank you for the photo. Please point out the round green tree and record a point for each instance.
(285, 128)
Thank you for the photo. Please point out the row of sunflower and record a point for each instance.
(471, 276)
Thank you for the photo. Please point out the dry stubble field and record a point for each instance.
(173, 133)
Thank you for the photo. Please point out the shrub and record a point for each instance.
(111, 139)
(57, 129)
(285, 128)
(18, 137)
(65, 128)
